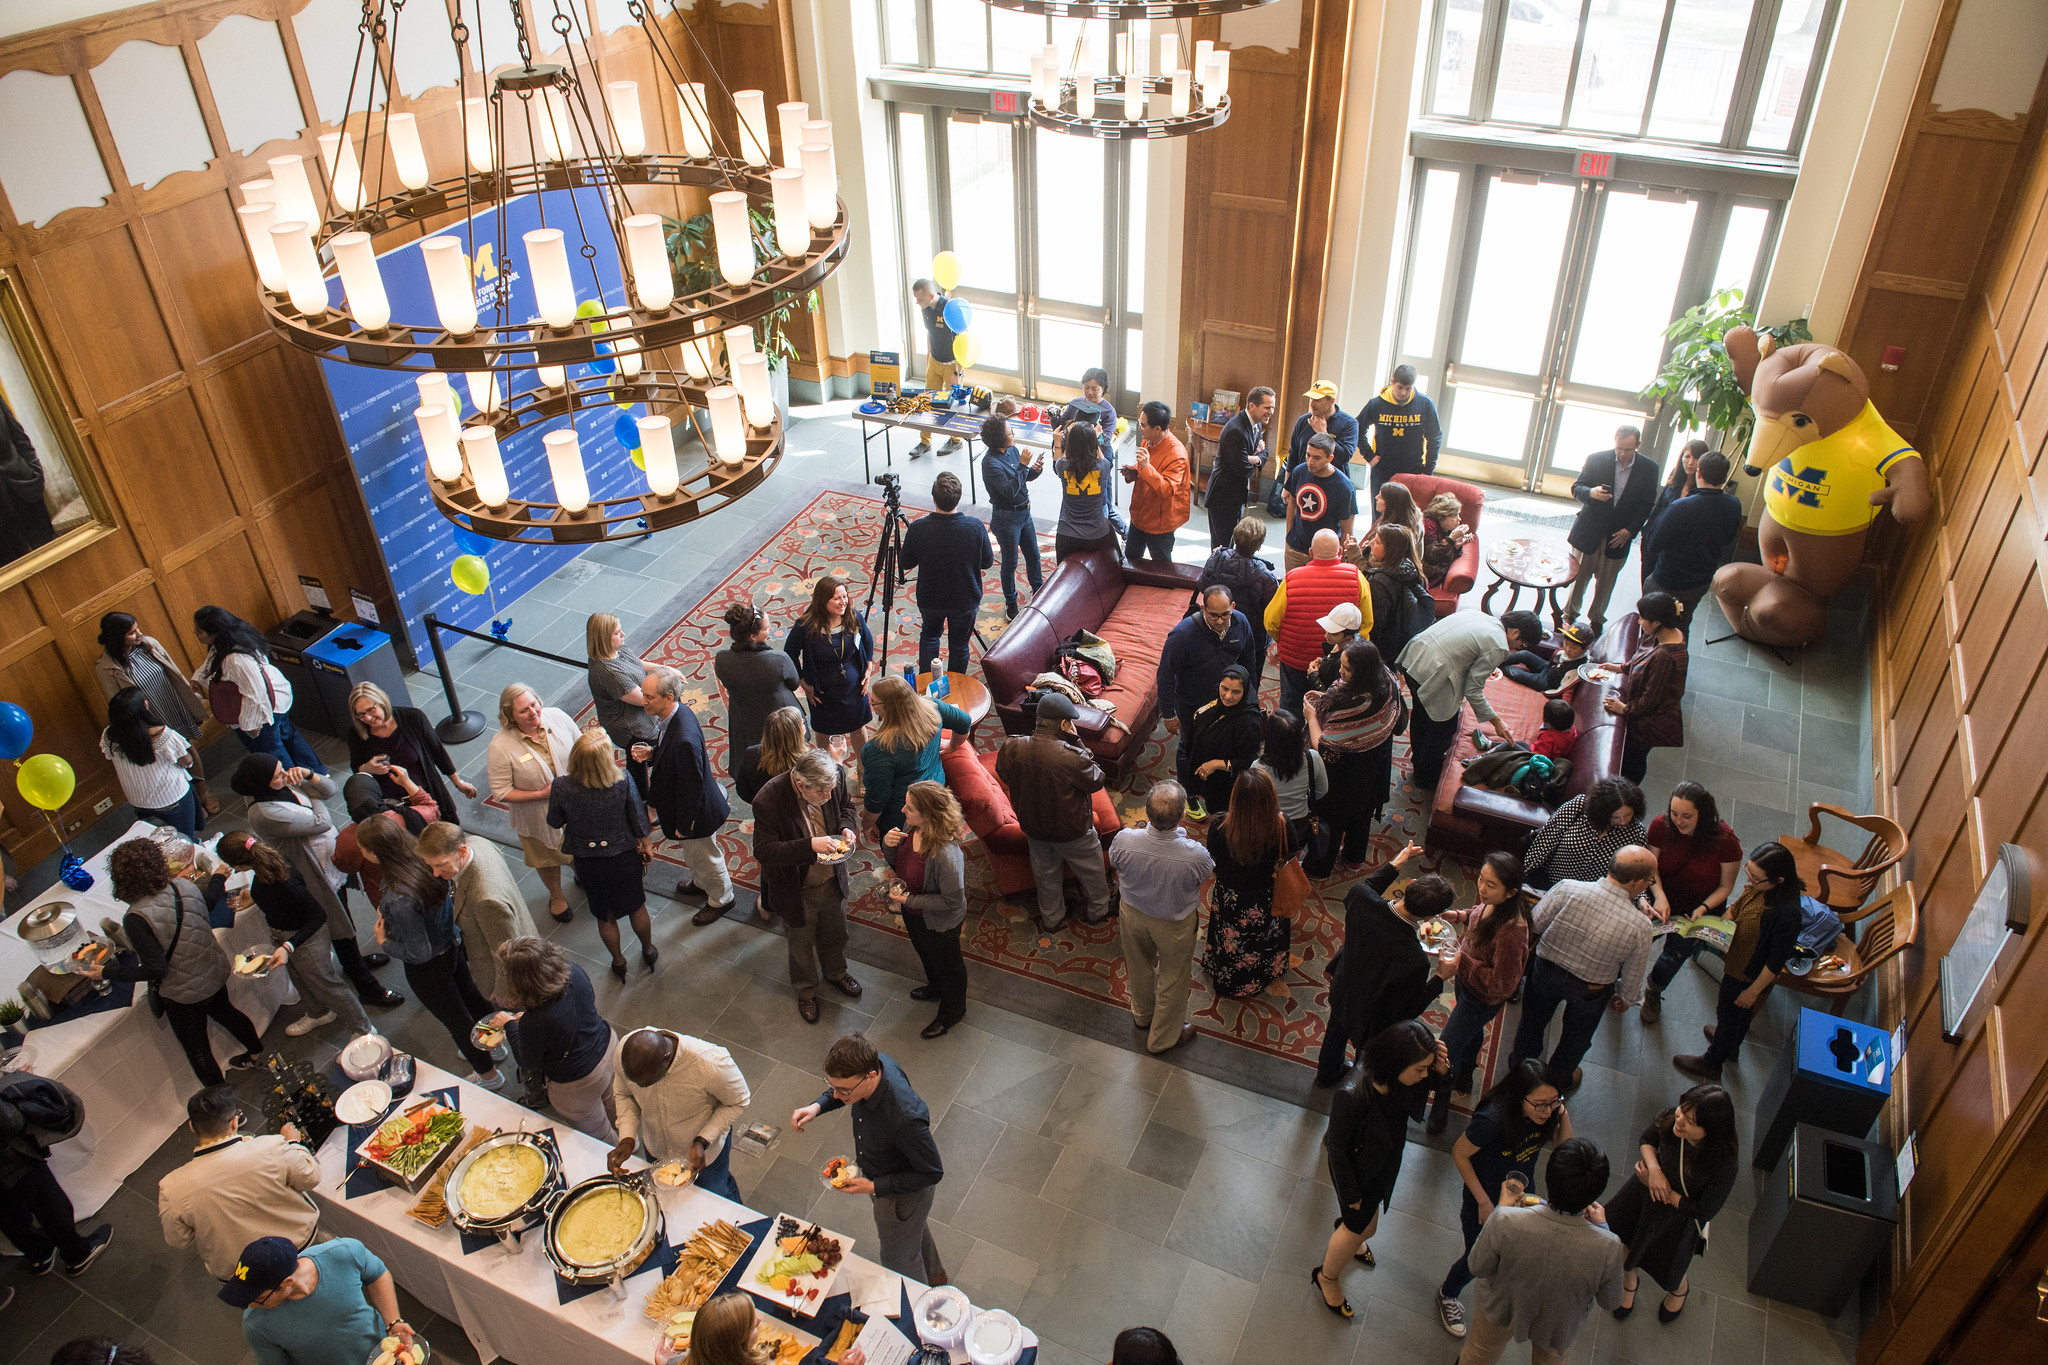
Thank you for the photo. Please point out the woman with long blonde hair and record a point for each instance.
(931, 895)
(905, 748)
(784, 735)
(530, 750)
(726, 1333)
(603, 820)
(615, 677)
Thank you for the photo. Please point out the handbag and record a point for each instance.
(224, 698)
(1291, 889)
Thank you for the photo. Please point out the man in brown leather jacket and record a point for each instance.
(1053, 780)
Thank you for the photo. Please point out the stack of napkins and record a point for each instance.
(873, 1289)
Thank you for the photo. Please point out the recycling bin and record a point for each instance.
(289, 640)
(1835, 1075)
(355, 654)
(1824, 1214)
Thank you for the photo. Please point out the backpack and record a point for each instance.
(224, 698)
(51, 1110)
(1411, 612)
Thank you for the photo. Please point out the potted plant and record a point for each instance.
(1698, 381)
(10, 1018)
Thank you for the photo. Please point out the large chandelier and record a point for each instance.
(778, 231)
(1085, 101)
(1128, 9)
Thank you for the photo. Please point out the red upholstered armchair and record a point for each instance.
(1464, 571)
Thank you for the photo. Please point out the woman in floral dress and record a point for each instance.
(1247, 945)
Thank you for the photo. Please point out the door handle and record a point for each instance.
(1450, 373)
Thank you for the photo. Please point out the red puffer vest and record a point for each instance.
(1312, 590)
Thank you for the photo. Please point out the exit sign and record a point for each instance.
(1002, 102)
(1596, 165)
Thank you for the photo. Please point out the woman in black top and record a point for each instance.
(1768, 915)
(835, 661)
(1521, 1115)
(1225, 734)
(1367, 1133)
(382, 737)
(605, 832)
(1686, 1172)
(754, 679)
(555, 1030)
(298, 928)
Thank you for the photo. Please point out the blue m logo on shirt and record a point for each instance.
(1805, 486)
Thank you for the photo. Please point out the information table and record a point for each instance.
(967, 427)
(508, 1301)
(124, 1063)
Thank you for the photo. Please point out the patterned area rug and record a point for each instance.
(836, 531)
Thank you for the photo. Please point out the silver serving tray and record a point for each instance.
(528, 1213)
(627, 1261)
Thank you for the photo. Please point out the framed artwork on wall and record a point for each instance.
(51, 502)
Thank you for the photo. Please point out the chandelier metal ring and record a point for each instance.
(1104, 124)
(1129, 9)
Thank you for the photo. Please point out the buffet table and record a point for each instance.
(509, 1301)
(124, 1063)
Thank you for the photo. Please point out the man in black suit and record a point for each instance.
(1240, 456)
(1617, 488)
(687, 800)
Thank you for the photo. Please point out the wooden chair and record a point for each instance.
(1833, 878)
(1891, 925)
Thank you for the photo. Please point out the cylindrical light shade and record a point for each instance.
(256, 223)
(819, 131)
(553, 376)
(551, 122)
(647, 259)
(755, 394)
(752, 106)
(1084, 93)
(625, 110)
(1037, 63)
(1169, 51)
(436, 391)
(628, 352)
(483, 390)
(486, 465)
(739, 341)
(658, 453)
(553, 291)
(1221, 56)
(361, 281)
(728, 427)
(444, 447)
(1123, 54)
(1049, 72)
(262, 191)
(1182, 91)
(294, 192)
(1134, 96)
(1202, 51)
(792, 216)
(407, 155)
(343, 173)
(565, 466)
(476, 128)
(302, 277)
(1084, 59)
(790, 120)
(448, 276)
(821, 196)
(696, 122)
(697, 358)
(733, 232)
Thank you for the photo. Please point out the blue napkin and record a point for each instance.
(360, 1179)
(663, 1257)
(86, 1003)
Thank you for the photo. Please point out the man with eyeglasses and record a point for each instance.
(803, 835)
(893, 1148)
(1192, 663)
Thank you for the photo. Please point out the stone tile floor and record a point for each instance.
(1089, 1187)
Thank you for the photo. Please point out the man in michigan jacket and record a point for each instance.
(1403, 430)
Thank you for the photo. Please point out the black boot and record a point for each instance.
(368, 988)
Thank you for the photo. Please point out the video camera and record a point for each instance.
(891, 484)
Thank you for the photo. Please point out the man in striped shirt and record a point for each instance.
(1592, 957)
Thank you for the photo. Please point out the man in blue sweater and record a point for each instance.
(1006, 475)
(1192, 663)
(1687, 544)
(1402, 427)
(949, 551)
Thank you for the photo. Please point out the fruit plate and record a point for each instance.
(809, 1289)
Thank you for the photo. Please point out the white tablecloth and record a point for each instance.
(125, 1064)
(506, 1300)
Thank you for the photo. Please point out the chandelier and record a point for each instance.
(1117, 106)
(777, 231)
(1128, 9)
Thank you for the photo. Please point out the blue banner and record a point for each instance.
(376, 407)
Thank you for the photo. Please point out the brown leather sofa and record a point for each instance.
(1132, 607)
(1474, 821)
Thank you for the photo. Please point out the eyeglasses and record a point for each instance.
(843, 1090)
(1546, 1105)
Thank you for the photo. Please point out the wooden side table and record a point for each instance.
(969, 694)
(1540, 562)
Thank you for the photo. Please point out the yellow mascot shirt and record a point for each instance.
(1823, 488)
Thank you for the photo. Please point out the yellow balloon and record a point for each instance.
(967, 348)
(471, 574)
(46, 781)
(639, 458)
(946, 270)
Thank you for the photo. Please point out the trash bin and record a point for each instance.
(289, 640)
(1836, 1075)
(355, 654)
(1823, 1215)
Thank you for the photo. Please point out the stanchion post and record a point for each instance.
(461, 726)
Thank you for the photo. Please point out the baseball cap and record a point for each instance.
(1322, 388)
(264, 1264)
(1578, 633)
(1343, 616)
(1058, 706)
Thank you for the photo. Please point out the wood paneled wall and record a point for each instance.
(1260, 195)
(216, 443)
(1961, 698)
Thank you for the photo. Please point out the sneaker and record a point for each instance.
(1451, 1314)
(43, 1264)
(1197, 811)
(921, 448)
(248, 1061)
(494, 1081)
(95, 1243)
(950, 446)
(299, 1028)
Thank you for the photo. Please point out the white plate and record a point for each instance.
(363, 1102)
(767, 1251)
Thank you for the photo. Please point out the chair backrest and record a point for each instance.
(1881, 852)
(1891, 928)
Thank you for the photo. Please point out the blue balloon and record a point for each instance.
(626, 430)
(17, 731)
(604, 364)
(470, 543)
(959, 315)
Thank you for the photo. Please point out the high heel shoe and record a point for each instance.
(1628, 1301)
(619, 969)
(1315, 1277)
(649, 955)
(1669, 1314)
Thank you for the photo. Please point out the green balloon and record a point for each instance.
(471, 574)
